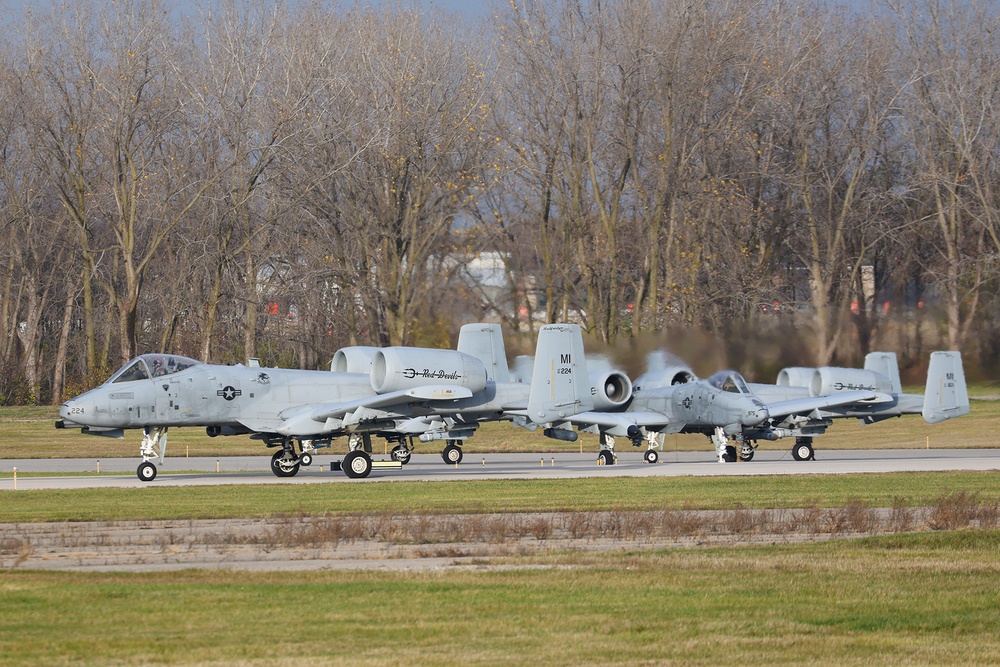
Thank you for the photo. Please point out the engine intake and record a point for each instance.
(666, 377)
(795, 376)
(610, 389)
(354, 359)
(397, 368)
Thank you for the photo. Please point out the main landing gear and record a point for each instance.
(358, 463)
(402, 451)
(654, 442)
(803, 449)
(606, 457)
(285, 462)
(452, 452)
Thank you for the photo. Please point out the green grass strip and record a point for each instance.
(620, 493)
(914, 599)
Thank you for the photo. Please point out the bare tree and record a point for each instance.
(823, 138)
(62, 65)
(420, 93)
(952, 110)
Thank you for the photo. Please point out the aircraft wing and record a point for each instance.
(803, 406)
(425, 393)
(621, 423)
(311, 419)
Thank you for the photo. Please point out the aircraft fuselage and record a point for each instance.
(209, 395)
(697, 406)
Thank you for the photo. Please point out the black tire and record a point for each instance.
(146, 471)
(452, 454)
(747, 456)
(285, 470)
(651, 456)
(306, 459)
(729, 454)
(607, 457)
(803, 451)
(357, 464)
(401, 453)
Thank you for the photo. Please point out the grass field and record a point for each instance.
(28, 432)
(461, 497)
(910, 599)
(928, 598)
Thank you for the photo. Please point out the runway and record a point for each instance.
(203, 471)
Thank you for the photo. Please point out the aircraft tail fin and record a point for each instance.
(885, 363)
(560, 386)
(485, 342)
(946, 395)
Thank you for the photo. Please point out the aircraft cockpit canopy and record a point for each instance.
(152, 366)
(730, 381)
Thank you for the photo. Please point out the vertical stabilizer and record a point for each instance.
(485, 342)
(885, 363)
(560, 387)
(946, 395)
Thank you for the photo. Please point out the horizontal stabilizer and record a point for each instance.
(485, 342)
(946, 395)
(885, 363)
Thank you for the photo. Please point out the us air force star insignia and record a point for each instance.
(229, 393)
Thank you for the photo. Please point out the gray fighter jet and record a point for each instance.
(441, 393)
(803, 404)
(498, 398)
(945, 397)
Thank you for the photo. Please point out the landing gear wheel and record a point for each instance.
(452, 454)
(803, 451)
(284, 467)
(729, 455)
(402, 454)
(746, 452)
(651, 456)
(606, 457)
(357, 464)
(306, 460)
(146, 471)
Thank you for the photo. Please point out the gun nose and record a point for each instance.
(757, 414)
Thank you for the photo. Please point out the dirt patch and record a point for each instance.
(431, 541)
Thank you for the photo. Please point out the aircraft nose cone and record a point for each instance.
(64, 411)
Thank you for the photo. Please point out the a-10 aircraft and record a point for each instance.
(438, 394)
(803, 404)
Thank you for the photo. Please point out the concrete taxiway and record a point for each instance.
(202, 471)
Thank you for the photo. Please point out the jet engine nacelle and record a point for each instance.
(666, 377)
(611, 389)
(830, 380)
(795, 376)
(354, 359)
(398, 368)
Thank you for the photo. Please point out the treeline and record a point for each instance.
(278, 181)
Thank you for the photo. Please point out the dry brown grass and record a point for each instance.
(385, 534)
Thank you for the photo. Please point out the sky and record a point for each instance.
(12, 10)
(470, 7)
